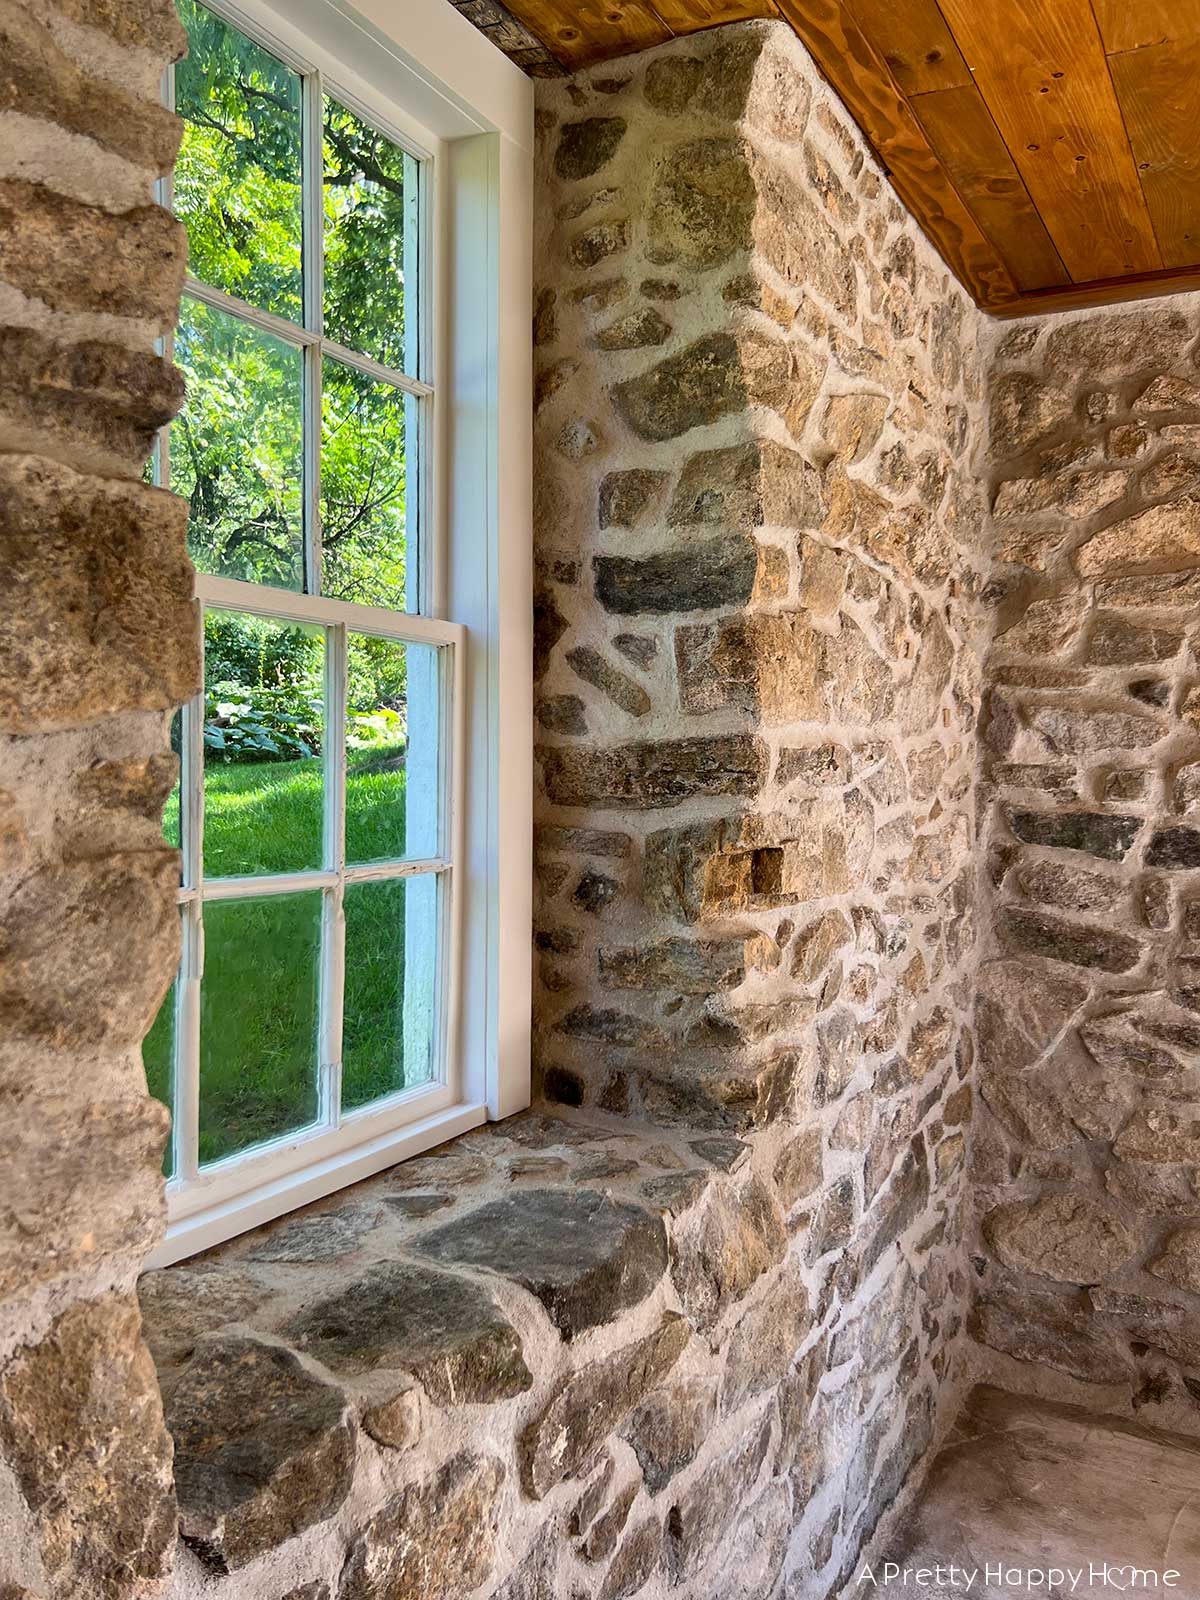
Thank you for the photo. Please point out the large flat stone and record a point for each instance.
(649, 775)
(440, 1328)
(263, 1449)
(587, 1258)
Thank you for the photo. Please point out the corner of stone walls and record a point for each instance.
(1087, 1145)
(760, 638)
(99, 646)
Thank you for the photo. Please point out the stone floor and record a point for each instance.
(1026, 1486)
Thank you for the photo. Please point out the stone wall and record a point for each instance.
(1087, 1152)
(98, 645)
(757, 687)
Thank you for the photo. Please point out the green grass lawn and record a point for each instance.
(259, 998)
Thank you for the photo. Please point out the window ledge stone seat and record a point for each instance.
(375, 1396)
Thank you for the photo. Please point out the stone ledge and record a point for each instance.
(577, 1276)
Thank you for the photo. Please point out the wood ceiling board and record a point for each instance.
(915, 43)
(1134, 24)
(688, 16)
(1042, 72)
(1159, 92)
(968, 144)
(866, 88)
(579, 32)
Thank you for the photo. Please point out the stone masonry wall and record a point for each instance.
(1087, 1152)
(757, 686)
(99, 644)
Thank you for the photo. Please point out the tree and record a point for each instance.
(237, 448)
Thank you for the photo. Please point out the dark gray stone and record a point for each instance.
(444, 1330)
(635, 1563)
(584, 147)
(700, 385)
(595, 891)
(593, 1402)
(685, 966)
(618, 686)
(586, 1258)
(1177, 849)
(1092, 831)
(1040, 934)
(263, 1449)
(653, 774)
(625, 495)
(561, 713)
(694, 577)
(637, 648)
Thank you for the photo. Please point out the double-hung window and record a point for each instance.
(311, 1033)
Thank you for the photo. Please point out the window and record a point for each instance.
(313, 1031)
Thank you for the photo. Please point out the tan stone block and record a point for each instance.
(1163, 534)
(81, 1427)
(1070, 1237)
(77, 258)
(101, 617)
(151, 25)
(95, 404)
(70, 1202)
(41, 82)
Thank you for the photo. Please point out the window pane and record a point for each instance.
(391, 973)
(365, 436)
(264, 694)
(171, 819)
(237, 183)
(392, 702)
(370, 196)
(158, 1058)
(258, 1020)
(236, 451)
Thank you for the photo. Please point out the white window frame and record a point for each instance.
(444, 93)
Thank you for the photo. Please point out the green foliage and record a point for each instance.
(236, 450)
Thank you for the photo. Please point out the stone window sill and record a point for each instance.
(467, 1330)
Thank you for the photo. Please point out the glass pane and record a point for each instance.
(364, 481)
(258, 1020)
(391, 978)
(391, 749)
(237, 183)
(236, 449)
(171, 820)
(158, 1058)
(370, 201)
(264, 696)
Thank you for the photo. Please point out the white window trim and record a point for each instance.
(397, 61)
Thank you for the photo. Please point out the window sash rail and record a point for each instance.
(301, 337)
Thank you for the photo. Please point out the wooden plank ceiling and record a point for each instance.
(1049, 148)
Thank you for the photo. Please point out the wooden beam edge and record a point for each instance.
(1099, 292)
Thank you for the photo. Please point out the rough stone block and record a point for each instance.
(440, 1328)
(1070, 1237)
(81, 1429)
(651, 775)
(263, 1449)
(593, 1403)
(585, 1257)
(98, 404)
(77, 258)
(436, 1540)
(101, 617)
